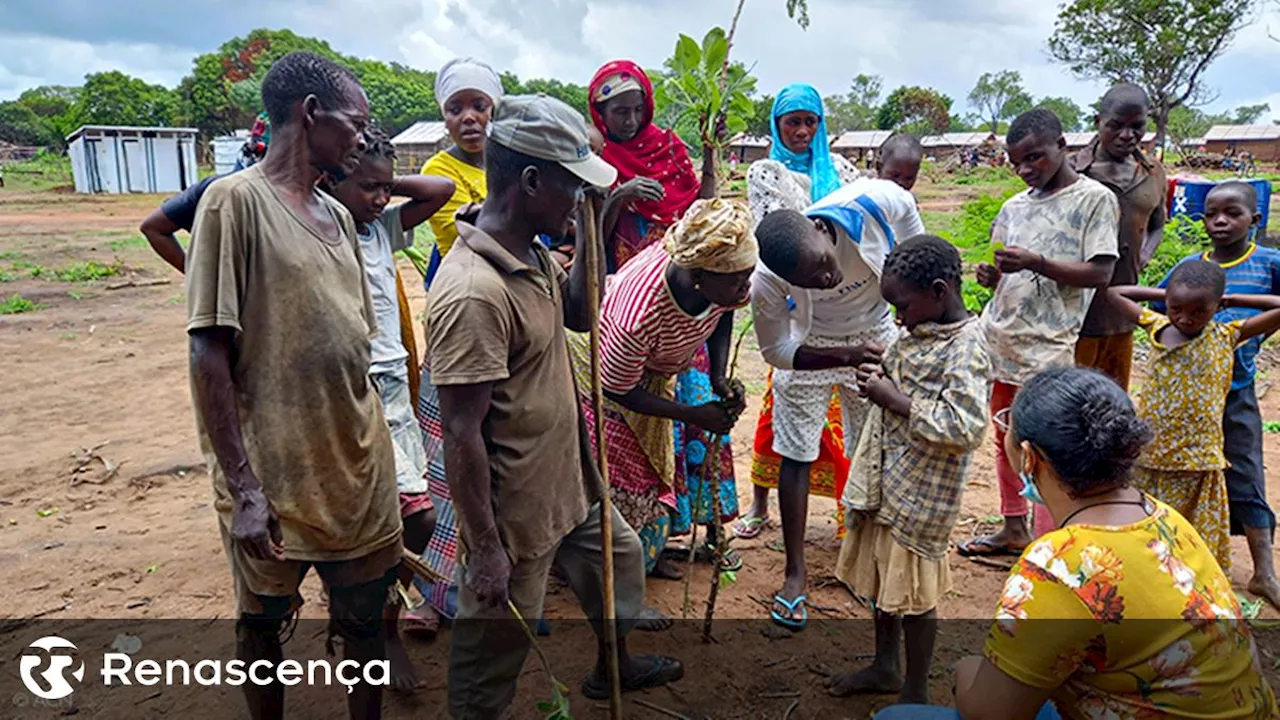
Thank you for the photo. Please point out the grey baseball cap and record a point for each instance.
(546, 128)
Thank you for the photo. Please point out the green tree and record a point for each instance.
(798, 10)
(917, 110)
(1163, 45)
(690, 97)
(575, 96)
(113, 98)
(1186, 123)
(20, 125)
(999, 96)
(1248, 114)
(856, 110)
(1072, 117)
(58, 107)
(760, 124)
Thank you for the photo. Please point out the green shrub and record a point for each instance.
(971, 230)
(17, 304)
(976, 297)
(1182, 237)
(87, 272)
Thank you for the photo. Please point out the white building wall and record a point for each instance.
(78, 172)
(164, 158)
(133, 160)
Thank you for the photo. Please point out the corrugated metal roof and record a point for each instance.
(129, 128)
(862, 139)
(958, 139)
(744, 140)
(423, 132)
(1243, 132)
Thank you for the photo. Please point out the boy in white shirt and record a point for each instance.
(1056, 244)
(818, 315)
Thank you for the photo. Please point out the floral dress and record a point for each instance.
(1183, 400)
(1135, 621)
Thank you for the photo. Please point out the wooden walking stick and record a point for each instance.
(591, 227)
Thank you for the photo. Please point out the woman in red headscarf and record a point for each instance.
(656, 179)
(657, 182)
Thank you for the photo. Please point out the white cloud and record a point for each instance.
(945, 44)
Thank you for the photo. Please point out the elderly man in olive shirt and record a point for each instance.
(1115, 159)
(521, 472)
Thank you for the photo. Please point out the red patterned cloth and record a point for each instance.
(653, 153)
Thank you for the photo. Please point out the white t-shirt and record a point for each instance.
(855, 307)
(1032, 323)
(378, 241)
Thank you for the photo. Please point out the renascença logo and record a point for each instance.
(54, 676)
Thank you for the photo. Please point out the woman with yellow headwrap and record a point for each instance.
(659, 311)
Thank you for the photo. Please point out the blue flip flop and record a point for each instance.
(793, 606)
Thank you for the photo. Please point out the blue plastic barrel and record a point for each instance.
(1189, 195)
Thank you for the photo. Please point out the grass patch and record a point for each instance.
(7, 277)
(11, 255)
(44, 171)
(127, 243)
(87, 272)
(1271, 426)
(16, 304)
(68, 336)
(75, 295)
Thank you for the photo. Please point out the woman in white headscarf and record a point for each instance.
(467, 91)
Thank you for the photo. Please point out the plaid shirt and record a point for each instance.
(909, 472)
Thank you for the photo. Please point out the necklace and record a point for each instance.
(1141, 501)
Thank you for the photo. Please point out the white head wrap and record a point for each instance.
(467, 74)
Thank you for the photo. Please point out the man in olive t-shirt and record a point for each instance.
(280, 320)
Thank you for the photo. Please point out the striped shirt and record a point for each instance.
(1257, 272)
(642, 328)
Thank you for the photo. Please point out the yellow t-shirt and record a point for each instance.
(1136, 621)
(471, 188)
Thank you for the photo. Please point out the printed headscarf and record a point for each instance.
(467, 74)
(653, 153)
(816, 161)
(714, 235)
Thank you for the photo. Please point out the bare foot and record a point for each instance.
(404, 678)
(871, 680)
(652, 620)
(1266, 588)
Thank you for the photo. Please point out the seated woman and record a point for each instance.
(799, 172)
(1143, 622)
(656, 185)
(669, 301)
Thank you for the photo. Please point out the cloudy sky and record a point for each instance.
(942, 43)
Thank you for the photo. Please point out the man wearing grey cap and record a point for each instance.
(522, 474)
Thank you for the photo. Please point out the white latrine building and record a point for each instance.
(113, 159)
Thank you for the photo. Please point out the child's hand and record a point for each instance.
(1228, 301)
(879, 390)
(866, 373)
(1017, 259)
(988, 276)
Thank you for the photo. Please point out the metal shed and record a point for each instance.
(227, 150)
(116, 159)
(750, 148)
(415, 146)
(856, 145)
(1263, 141)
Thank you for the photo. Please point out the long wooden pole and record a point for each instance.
(593, 259)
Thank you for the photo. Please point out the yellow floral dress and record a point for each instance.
(1136, 621)
(1183, 400)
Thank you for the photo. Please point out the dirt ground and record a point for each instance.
(96, 365)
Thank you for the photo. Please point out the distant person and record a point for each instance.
(928, 395)
(384, 230)
(800, 170)
(1115, 158)
(900, 159)
(1118, 612)
(256, 147)
(1230, 213)
(1055, 245)
(1185, 391)
(467, 90)
(280, 319)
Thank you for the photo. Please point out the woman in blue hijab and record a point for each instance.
(799, 171)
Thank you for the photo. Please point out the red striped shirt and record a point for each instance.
(642, 328)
